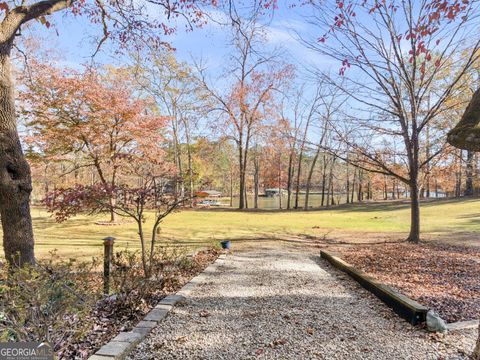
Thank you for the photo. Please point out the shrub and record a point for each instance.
(41, 302)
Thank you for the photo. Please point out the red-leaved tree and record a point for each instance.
(126, 22)
(90, 120)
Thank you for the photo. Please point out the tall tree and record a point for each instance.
(172, 85)
(124, 21)
(253, 78)
(94, 119)
(390, 45)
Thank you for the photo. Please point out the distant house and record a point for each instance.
(208, 194)
(273, 192)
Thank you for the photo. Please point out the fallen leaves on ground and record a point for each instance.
(441, 277)
(110, 317)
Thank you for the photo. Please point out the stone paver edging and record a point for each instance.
(121, 345)
(463, 325)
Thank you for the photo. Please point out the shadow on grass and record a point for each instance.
(374, 206)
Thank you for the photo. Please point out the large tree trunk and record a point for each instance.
(414, 235)
(15, 180)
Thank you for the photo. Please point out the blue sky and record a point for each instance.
(74, 39)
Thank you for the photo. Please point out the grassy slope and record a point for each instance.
(80, 236)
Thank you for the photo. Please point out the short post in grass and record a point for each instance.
(107, 260)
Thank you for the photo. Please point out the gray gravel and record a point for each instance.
(281, 304)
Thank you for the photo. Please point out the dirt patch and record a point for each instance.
(441, 277)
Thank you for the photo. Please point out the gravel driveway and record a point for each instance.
(281, 304)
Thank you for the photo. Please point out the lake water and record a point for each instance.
(315, 200)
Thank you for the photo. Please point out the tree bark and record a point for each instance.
(385, 188)
(469, 175)
(348, 183)
(360, 186)
(15, 178)
(353, 184)
(330, 181)
(241, 195)
(324, 178)
(414, 235)
(189, 160)
(309, 179)
(231, 188)
(279, 181)
(256, 176)
(113, 216)
(299, 171)
(458, 175)
(289, 179)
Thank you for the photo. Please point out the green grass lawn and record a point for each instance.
(81, 237)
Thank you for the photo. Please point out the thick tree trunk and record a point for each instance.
(15, 179)
(414, 168)
(414, 235)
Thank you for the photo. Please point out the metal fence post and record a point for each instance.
(107, 260)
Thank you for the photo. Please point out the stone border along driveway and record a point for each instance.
(121, 345)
